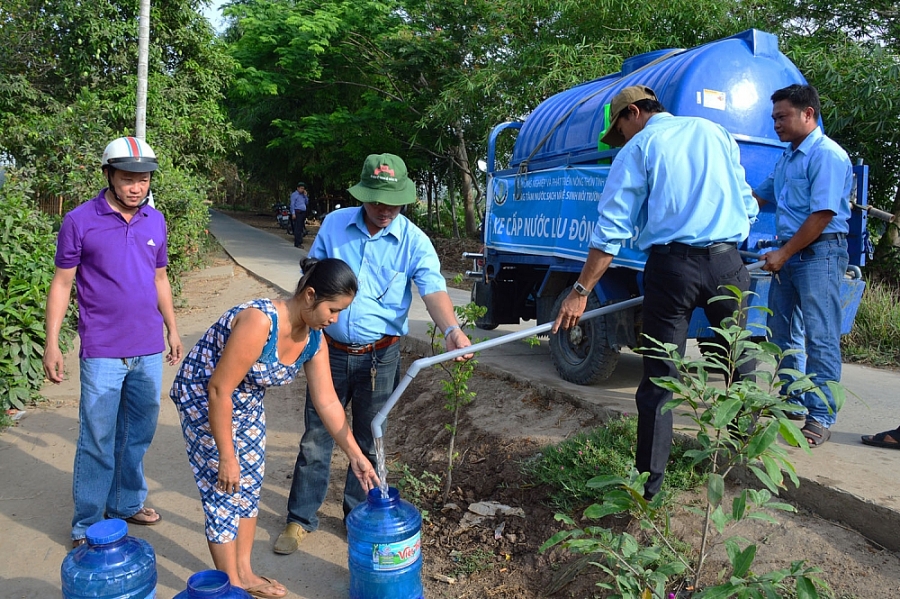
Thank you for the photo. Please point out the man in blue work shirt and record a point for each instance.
(811, 187)
(299, 202)
(679, 183)
(388, 253)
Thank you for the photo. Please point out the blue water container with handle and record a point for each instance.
(385, 548)
(110, 565)
(211, 584)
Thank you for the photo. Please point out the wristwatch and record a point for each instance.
(581, 289)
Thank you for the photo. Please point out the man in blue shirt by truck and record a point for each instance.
(678, 182)
(811, 187)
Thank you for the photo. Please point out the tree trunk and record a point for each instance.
(468, 185)
(429, 190)
(451, 192)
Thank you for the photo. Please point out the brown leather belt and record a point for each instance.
(358, 349)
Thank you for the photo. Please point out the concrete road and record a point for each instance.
(843, 480)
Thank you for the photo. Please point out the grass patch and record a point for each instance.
(605, 450)
(875, 338)
(470, 562)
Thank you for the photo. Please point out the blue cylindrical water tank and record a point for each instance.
(385, 548)
(728, 81)
(211, 584)
(110, 565)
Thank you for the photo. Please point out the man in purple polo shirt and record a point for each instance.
(114, 249)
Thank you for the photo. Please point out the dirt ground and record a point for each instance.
(507, 423)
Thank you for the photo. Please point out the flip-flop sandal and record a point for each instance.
(815, 433)
(257, 591)
(880, 440)
(144, 511)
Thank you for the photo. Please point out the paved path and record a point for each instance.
(843, 480)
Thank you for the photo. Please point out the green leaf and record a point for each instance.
(743, 561)
(764, 478)
(806, 589)
(715, 489)
(727, 411)
(739, 506)
(791, 433)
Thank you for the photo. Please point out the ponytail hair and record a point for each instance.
(330, 278)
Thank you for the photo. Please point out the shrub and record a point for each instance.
(875, 338)
(27, 247)
(738, 423)
(181, 197)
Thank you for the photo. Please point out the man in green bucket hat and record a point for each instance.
(388, 253)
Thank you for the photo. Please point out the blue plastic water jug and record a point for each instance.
(110, 565)
(385, 548)
(211, 584)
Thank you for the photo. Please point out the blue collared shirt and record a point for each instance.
(298, 201)
(817, 176)
(679, 179)
(386, 265)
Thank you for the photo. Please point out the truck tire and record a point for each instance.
(582, 354)
(481, 323)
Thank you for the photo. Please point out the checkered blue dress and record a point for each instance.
(248, 422)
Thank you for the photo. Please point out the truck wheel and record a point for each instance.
(481, 323)
(581, 355)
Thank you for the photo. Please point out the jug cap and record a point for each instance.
(106, 531)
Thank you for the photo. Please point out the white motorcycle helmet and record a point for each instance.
(129, 154)
(132, 155)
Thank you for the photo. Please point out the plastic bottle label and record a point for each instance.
(394, 556)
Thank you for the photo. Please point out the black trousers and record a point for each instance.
(674, 284)
(299, 226)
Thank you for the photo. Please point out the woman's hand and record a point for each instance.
(229, 479)
(363, 470)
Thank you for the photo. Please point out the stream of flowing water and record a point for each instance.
(381, 466)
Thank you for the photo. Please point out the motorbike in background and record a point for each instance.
(283, 216)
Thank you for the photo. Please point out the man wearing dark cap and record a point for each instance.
(679, 183)
(299, 202)
(388, 253)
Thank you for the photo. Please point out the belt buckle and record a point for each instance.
(356, 349)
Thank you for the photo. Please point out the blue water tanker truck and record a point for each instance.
(542, 204)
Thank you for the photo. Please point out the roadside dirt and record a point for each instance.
(507, 423)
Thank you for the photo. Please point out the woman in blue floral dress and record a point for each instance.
(219, 393)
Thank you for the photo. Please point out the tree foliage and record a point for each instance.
(323, 84)
(68, 74)
(68, 84)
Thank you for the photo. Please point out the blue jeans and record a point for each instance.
(353, 383)
(117, 419)
(805, 301)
